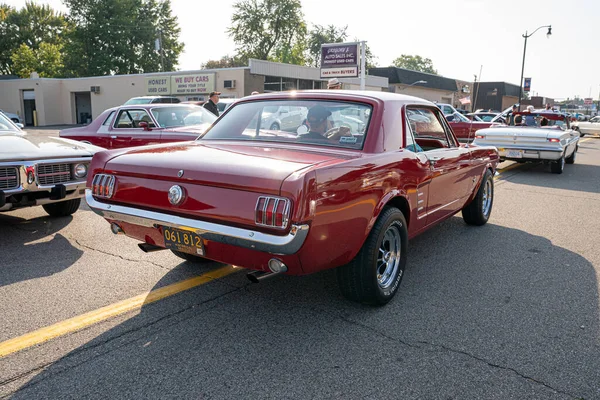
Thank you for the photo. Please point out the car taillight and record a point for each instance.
(479, 136)
(272, 211)
(103, 185)
(554, 140)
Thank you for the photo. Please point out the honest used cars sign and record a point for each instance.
(180, 84)
(339, 60)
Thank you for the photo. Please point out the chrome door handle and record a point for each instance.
(434, 160)
(113, 136)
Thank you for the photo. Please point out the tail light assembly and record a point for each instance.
(479, 136)
(103, 185)
(273, 212)
(554, 140)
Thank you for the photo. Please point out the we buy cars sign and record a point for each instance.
(339, 60)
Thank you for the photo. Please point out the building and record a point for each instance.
(44, 101)
(538, 102)
(431, 87)
(496, 96)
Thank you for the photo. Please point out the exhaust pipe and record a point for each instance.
(149, 248)
(257, 276)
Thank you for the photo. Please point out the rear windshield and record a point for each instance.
(314, 122)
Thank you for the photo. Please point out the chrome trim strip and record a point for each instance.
(287, 244)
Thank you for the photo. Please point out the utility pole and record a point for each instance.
(159, 47)
(363, 64)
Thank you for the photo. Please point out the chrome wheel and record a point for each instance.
(388, 258)
(488, 193)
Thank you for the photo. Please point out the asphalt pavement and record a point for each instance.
(509, 310)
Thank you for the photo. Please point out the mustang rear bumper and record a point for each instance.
(284, 245)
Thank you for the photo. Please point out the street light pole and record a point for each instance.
(416, 83)
(526, 36)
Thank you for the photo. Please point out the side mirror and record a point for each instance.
(145, 126)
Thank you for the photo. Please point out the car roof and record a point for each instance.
(348, 95)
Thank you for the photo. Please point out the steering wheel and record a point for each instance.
(338, 132)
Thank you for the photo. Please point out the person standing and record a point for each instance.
(511, 115)
(211, 104)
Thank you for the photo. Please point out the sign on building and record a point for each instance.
(527, 85)
(339, 60)
(180, 84)
(588, 101)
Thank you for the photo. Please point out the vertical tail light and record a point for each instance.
(554, 140)
(272, 211)
(103, 185)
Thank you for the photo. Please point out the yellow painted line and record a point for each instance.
(93, 317)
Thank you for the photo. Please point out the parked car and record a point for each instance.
(447, 109)
(140, 125)
(555, 143)
(591, 127)
(152, 100)
(41, 171)
(487, 117)
(282, 203)
(13, 117)
(464, 128)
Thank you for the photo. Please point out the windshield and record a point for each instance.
(6, 125)
(315, 122)
(169, 117)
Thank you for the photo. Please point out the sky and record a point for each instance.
(461, 37)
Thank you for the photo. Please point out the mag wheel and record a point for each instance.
(374, 275)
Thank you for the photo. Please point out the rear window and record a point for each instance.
(169, 117)
(314, 122)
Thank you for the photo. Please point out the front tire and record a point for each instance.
(274, 126)
(478, 211)
(62, 208)
(191, 258)
(557, 167)
(374, 275)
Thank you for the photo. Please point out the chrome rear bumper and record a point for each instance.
(284, 245)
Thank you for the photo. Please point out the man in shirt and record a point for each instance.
(211, 104)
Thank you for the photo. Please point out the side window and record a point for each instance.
(428, 129)
(109, 118)
(128, 119)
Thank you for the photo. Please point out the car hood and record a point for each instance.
(234, 166)
(22, 147)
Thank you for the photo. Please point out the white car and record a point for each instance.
(282, 118)
(13, 117)
(591, 127)
(447, 109)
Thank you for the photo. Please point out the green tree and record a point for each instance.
(46, 61)
(226, 61)
(415, 63)
(32, 25)
(268, 29)
(118, 37)
(320, 35)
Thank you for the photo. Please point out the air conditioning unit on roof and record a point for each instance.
(95, 89)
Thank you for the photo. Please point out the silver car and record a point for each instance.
(548, 138)
(34, 170)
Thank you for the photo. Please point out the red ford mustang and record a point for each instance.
(346, 188)
(143, 124)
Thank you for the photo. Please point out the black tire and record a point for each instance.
(478, 211)
(580, 133)
(16, 121)
(191, 258)
(62, 208)
(274, 126)
(571, 158)
(361, 280)
(557, 167)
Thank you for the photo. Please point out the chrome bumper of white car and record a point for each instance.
(285, 245)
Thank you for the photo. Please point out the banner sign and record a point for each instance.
(158, 86)
(339, 60)
(588, 101)
(527, 85)
(192, 84)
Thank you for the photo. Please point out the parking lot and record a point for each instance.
(506, 310)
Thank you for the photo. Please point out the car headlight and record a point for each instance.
(80, 170)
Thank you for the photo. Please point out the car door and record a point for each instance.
(452, 175)
(126, 131)
(594, 126)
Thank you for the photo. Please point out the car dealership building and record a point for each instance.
(44, 101)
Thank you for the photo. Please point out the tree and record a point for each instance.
(268, 29)
(320, 35)
(46, 61)
(118, 37)
(226, 61)
(32, 25)
(415, 63)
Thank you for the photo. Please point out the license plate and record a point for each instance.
(184, 241)
(514, 154)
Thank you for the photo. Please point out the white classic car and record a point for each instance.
(35, 170)
(547, 137)
(591, 127)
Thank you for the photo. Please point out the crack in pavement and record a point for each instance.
(85, 348)
(118, 256)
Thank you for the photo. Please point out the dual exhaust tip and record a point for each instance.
(276, 267)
